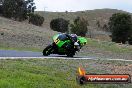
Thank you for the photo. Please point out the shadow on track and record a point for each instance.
(64, 56)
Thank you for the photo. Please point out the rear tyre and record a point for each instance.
(47, 51)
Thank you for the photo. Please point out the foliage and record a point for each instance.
(130, 40)
(18, 9)
(59, 24)
(1, 9)
(36, 19)
(30, 6)
(105, 27)
(98, 24)
(120, 25)
(79, 26)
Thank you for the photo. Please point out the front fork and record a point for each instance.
(77, 46)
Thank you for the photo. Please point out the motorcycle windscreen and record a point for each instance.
(62, 39)
(58, 40)
(55, 37)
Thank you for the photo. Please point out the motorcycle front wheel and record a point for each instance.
(47, 51)
(70, 54)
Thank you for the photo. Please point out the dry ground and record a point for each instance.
(22, 34)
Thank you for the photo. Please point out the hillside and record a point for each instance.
(93, 16)
(13, 33)
(22, 34)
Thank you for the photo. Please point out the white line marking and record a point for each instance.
(76, 58)
(41, 58)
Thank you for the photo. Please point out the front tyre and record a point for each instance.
(47, 51)
(70, 54)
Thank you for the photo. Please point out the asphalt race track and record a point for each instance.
(30, 54)
(14, 54)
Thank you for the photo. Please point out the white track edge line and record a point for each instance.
(61, 58)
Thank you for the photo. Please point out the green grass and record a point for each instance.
(5, 47)
(103, 45)
(109, 46)
(48, 73)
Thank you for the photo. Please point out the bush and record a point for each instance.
(79, 26)
(130, 40)
(120, 25)
(59, 24)
(36, 19)
(1, 10)
(105, 28)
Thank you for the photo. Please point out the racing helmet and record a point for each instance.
(74, 37)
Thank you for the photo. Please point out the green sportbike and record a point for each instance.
(63, 45)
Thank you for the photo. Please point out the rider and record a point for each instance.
(73, 38)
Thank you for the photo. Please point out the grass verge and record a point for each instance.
(50, 73)
(103, 45)
(110, 46)
(5, 47)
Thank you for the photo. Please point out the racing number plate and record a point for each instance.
(56, 41)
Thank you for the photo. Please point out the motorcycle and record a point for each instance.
(63, 46)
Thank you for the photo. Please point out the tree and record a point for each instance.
(79, 26)
(98, 24)
(1, 2)
(36, 19)
(66, 12)
(120, 25)
(1, 10)
(18, 9)
(59, 24)
(30, 6)
(105, 27)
